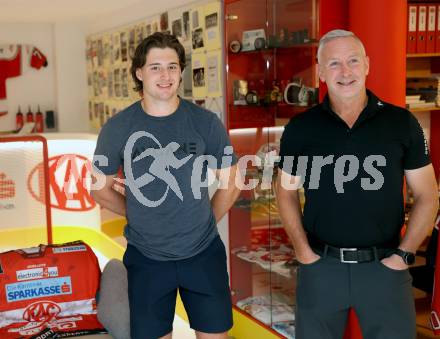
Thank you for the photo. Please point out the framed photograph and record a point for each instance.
(197, 38)
(90, 111)
(89, 52)
(195, 19)
(187, 78)
(96, 110)
(176, 28)
(89, 79)
(110, 85)
(106, 41)
(107, 113)
(116, 46)
(139, 35)
(164, 21)
(185, 22)
(199, 77)
(102, 82)
(100, 52)
(213, 76)
(211, 20)
(148, 30)
(131, 42)
(117, 82)
(95, 84)
(124, 46)
(124, 83)
(101, 114)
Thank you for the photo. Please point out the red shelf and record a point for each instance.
(285, 111)
(249, 116)
(264, 114)
(277, 49)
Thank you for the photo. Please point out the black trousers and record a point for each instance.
(381, 297)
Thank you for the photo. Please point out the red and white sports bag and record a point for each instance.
(49, 292)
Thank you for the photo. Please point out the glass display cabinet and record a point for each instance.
(270, 77)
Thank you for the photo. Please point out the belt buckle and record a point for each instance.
(341, 252)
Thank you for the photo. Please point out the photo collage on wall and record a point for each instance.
(206, 57)
(109, 55)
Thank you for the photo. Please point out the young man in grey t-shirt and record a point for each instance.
(165, 145)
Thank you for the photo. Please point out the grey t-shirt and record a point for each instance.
(166, 220)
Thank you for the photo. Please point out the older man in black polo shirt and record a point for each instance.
(351, 153)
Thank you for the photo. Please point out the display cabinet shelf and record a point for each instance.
(277, 49)
(425, 109)
(262, 260)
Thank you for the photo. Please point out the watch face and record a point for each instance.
(409, 258)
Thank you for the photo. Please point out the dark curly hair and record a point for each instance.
(156, 40)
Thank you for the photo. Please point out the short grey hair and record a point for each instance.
(334, 34)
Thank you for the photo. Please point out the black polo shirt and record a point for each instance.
(356, 198)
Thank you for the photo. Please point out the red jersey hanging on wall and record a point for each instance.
(14, 61)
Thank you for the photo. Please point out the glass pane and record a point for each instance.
(280, 79)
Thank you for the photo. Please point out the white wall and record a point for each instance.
(71, 76)
(130, 14)
(34, 87)
(62, 86)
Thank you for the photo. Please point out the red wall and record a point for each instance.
(333, 14)
(381, 25)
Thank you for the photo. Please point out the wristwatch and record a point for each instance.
(408, 257)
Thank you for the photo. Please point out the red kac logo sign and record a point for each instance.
(7, 187)
(41, 312)
(68, 177)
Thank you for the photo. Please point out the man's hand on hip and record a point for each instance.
(308, 258)
(394, 262)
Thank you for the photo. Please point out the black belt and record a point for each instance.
(350, 255)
